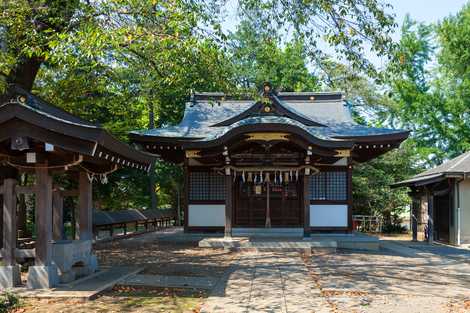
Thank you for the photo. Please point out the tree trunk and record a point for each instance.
(24, 73)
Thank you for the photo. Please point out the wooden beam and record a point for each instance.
(43, 217)
(85, 204)
(228, 205)
(9, 222)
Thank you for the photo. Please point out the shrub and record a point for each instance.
(8, 301)
(394, 229)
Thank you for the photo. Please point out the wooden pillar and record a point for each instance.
(350, 194)
(9, 222)
(43, 217)
(416, 203)
(430, 217)
(268, 206)
(85, 205)
(228, 205)
(57, 215)
(306, 197)
(185, 196)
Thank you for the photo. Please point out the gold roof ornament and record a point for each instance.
(193, 153)
(343, 153)
(267, 136)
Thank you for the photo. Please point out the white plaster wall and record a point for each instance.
(342, 161)
(206, 215)
(328, 215)
(465, 211)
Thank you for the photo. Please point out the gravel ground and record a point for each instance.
(346, 281)
(157, 257)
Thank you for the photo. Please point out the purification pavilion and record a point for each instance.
(43, 140)
(281, 163)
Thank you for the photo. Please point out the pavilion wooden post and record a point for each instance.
(44, 273)
(43, 217)
(58, 215)
(306, 187)
(9, 222)
(85, 207)
(9, 272)
(228, 205)
(430, 216)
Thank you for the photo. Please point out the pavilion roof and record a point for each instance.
(26, 115)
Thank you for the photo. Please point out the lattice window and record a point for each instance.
(206, 186)
(329, 186)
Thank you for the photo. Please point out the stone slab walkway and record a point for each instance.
(164, 281)
(266, 282)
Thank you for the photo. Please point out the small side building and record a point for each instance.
(440, 208)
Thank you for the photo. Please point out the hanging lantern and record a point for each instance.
(286, 177)
(250, 177)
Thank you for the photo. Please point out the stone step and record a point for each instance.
(267, 232)
(170, 281)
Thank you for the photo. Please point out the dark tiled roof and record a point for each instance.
(326, 109)
(18, 103)
(33, 102)
(457, 166)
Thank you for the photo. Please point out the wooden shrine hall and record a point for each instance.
(49, 143)
(280, 163)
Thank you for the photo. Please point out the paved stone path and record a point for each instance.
(266, 282)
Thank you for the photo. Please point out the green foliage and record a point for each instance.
(431, 98)
(8, 302)
(346, 26)
(258, 57)
(371, 183)
(130, 64)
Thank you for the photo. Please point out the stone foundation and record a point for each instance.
(41, 277)
(10, 276)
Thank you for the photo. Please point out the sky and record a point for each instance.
(428, 11)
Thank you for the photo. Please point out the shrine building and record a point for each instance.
(282, 162)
